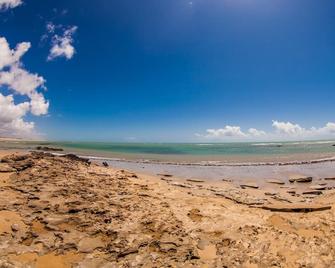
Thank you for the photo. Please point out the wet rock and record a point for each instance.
(300, 179)
(48, 149)
(330, 179)
(105, 164)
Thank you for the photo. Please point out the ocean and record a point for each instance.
(194, 152)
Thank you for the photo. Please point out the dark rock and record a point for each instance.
(105, 164)
(249, 185)
(49, 149)
(127, 252)
(313, 192)
(194, 180)
(165, 175)
(77, 158)
(300, 179)
(296, 208)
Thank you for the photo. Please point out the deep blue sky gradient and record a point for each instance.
(164, 70)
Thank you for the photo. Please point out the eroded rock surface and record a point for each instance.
(66, 212)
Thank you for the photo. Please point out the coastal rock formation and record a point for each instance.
(65, 212)
(48, 149)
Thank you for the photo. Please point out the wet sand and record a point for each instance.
(65, 212)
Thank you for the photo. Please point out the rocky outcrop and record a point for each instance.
(48, 149)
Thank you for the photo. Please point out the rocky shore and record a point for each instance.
(63, 211)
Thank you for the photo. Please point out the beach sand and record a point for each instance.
(65, 212)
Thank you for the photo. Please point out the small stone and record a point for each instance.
(202, 244)
(15, 227)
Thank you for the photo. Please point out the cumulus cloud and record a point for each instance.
(281, 130)
(256, 133)
(15, 78)
(62, 45)
(6, 4)
(287, 128)
(227, 131)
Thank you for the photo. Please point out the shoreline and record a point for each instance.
(64, 210)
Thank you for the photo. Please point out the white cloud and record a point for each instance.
(227, 131)
(287, 128)
(21, 82)
(282, 131)
(6, 4)
(9, 56)
(62, 46)
(256, 133)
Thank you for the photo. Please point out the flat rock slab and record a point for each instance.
(88, 244)
(318, 187)
(249, 185)
(195, 180)
(300, 179)
(165, 175)
(4, 167)
(313, 192)
(302, 208)
(276, 182)
(330, 179)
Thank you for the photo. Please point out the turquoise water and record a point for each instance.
(195, 151)
(206, 149)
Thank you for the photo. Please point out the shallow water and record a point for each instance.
(195, 152)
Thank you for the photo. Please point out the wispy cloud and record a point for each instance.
(281, 130)
(61, 44)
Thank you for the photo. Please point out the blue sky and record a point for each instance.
(172, 70)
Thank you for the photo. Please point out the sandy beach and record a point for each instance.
(61, 211)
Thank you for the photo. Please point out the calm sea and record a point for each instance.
(190, 152)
